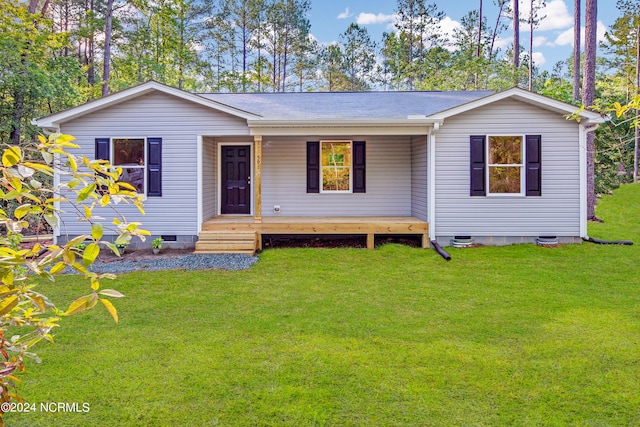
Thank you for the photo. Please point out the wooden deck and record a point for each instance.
(218, 233)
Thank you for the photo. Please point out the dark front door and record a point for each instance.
(236, 179)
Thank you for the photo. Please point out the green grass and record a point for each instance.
(520, 335)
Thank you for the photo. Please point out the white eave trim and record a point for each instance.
(410, 126)
(524, 96)
(55, 120)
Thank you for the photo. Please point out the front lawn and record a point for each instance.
(519, 335)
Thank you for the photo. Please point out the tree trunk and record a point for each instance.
(107, 49)
(276, 83)
(18, 107)
(15, 133)
(411, 25)
(495, 29)
(576, 50)
(421, 51)
(66, 26)
(636, 147)
(89, 56)
(531, 47)
(33, 7)
(181, 54)
(479, 50)
(259, 31)
(245, 42)
(286, 47)
(588, 96)
(516, 36)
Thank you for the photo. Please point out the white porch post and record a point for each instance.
(257, 178)
(431, 162)
(199, 186)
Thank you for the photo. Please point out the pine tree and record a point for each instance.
(358, 56)
(576, 50)
(588, 97)
(418, 29)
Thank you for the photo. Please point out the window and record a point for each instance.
(336, 166)
(510, 164)
(505, 154)
(130, 155)
(139, 158)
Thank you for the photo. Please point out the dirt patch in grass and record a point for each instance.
(107, 256)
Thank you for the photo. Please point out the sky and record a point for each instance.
(553, 39)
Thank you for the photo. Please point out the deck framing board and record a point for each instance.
(369, 226)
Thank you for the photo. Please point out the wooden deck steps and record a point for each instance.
(225, 242)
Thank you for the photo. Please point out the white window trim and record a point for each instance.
(146, 161)
(350, 190)
(522, 165)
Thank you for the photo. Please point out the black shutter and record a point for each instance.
(534, 165)
(154, 167)
(103, 146)
(359, 163)
(313, 167)
(103, 152)
(478, 165)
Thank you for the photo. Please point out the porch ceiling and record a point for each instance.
(409, 126)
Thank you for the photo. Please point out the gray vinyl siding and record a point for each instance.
(209, 179)
(388, 180)
(556, 212)
(178, 123)
(419, 178)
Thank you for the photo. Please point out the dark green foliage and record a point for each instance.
(358, 57)
(33, 82)
(614, 155)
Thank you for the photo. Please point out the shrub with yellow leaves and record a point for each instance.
(84, 185)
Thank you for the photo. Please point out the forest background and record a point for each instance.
(56, 54)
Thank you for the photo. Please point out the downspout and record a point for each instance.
(583, 130)
(431, 184)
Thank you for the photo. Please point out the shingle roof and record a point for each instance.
(344, 105)
(325, 108)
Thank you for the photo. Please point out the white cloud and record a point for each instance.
(539, 59)
(345, 15)
(371, 18)
(555, 15)
(502, 43)
(448, 27)
(539, 41)
(602, 30)
(566, 37)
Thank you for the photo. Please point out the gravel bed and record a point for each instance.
(187, 262)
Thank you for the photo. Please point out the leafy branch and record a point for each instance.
(85, 185)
